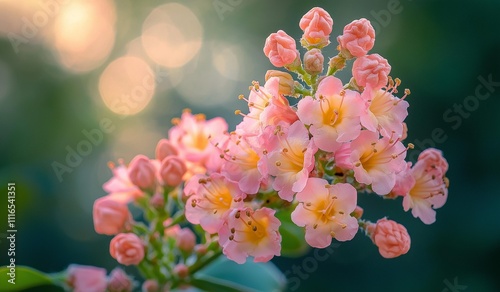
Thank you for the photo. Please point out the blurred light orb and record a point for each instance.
(127, 85)
(84, 34)
(172, 35)
(226, 62)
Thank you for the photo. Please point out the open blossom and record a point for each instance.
(87, 278)
(333, 114)
(267, 107)
(325, 211)
(317, 25)
(391, 238)
(423, 186)
(110, 216)
(191, 136)
(250, 233)
(371, 70)
(384, 113)
(374, 160)
(119, 186)
(358, 38)
(209, 200)
(118, 281)
(281, 49)
(292, 160)
(244, 164)
(127, 249)
(142, 172)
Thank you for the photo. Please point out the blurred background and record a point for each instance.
(69, 68)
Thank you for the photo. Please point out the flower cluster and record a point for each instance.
(305, 147)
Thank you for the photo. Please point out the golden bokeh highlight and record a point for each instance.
(84, 34)
(172, 35)
(127, 85)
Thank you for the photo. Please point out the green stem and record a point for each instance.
(331, 71)
(302, 91)
(204, 262)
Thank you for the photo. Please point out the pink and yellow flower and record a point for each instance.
(292, 160)
(317, 25)
(210, 198)
(250, 233)
(334, 115)
(119, 186)
(324, 210)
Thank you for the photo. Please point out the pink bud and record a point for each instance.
(313, 61)
(358, 212)
(86, 278)
(150, 286)
(157, 201)
(119, 281)
(110, 216)
(171, 231)
(164, 148)
(317, 25)
(181, 270)
(281, 49)
(286, 84)
(127, 249)
(172, 170)
(391, 238)
(186, 239)
(200, 249)
(371, 70)
(142, 172)
(358, 38)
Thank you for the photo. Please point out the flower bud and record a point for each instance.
(181, 270)
(127, 249)
(391, 238)
(434, 161)
(150, 286)
(110, 216)
(186, 240)
(337, 63)
(317, 25)
(313, 61)
(172, 170)
(281, 49)
(200, 249)
(142, 172)
(119, 281)
(371, 70)
(357, 213)
(157, 201)
(86, 278)
(286, 82)
(358, 38)
(164, 148)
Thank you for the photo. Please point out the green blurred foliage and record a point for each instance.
(438, 48)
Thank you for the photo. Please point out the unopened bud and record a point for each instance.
(172, 170)
(337, 62)
(181, 270)
(186, 239)
(150, 286)
(164, 148)
(286, 81)
(142, 172)
(313, 61)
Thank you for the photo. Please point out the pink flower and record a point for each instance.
(390, 237)
(150, 286)
(358, 38)
(164, 148)
(434, 160)
(86, 278)
(286, 82)
(317, 25)
(120, 187)
(172, 170)
(281, 49)
(424, 189)
(110, 216)
(325, 211)
(375, 161)
(185, 239)
(292, 161)
(333, 115)
(313, 61)
(191, 136)
(119, 281)
(209, 200)
(142, 172)
(385, 112)
(371, 70)
(127, 249)
(244, 165)
(250, 233)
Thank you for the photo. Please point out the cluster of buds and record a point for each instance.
(210, 191)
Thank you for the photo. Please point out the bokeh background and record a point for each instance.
(68, 66)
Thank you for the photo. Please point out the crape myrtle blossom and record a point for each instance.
(424, 186)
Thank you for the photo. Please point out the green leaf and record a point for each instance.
(24, 278)
(248, 277)
(293, 243)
